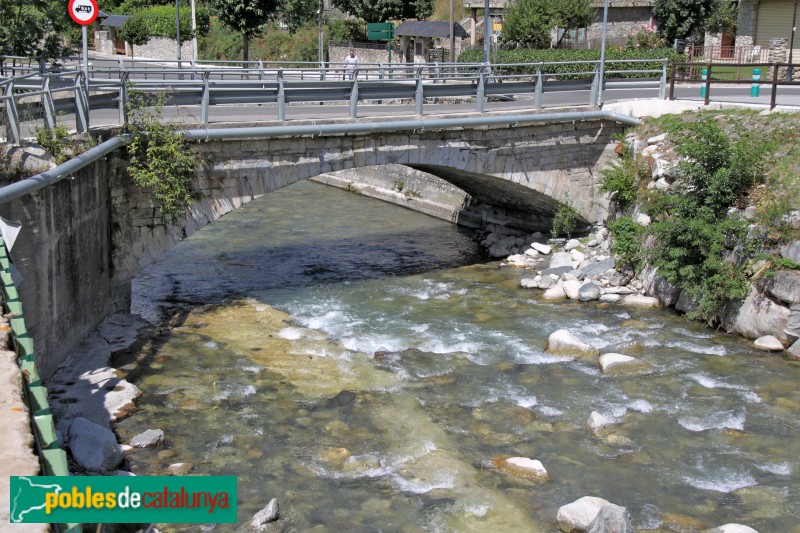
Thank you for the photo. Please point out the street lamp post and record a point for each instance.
(603, 54)
(486, 32)
(178, 30)
(321, 39)
(791, 42)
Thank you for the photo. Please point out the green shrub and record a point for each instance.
(160, 162)
(348, 30)
(55, 141)
(623, 178)
(159, 21)
(550, 55)
(565, 219)
(626, 241)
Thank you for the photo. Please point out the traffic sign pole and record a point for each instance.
(84, 12)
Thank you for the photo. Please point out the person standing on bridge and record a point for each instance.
(351, 63)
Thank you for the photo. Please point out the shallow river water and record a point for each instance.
(363, 364)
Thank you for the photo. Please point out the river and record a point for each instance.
(364, 364)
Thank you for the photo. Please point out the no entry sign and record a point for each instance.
(84, 12)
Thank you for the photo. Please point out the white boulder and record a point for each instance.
(641, 301)
(577, 515)
(571, 288)
(556, 292)
(562, 341)
(598, 422)
(768, 343)
(616, 361)
(543, 249)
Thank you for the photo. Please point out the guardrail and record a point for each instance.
(778, 72)
(33, 95)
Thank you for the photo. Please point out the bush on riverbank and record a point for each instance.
(699, 237)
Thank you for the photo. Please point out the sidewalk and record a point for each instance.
(17, 457)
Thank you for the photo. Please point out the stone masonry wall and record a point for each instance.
(336, 54)
(161, 48)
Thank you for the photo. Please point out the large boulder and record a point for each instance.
(572, 244)
(598, 423)
(94, 447)
(588, 292)
(791, 251)
(638, 300)
(268, 514)
(148, 439)
(561, 259)
(794, 351)
(656, 286)
(564, 342)
(759, 316)
(600, 267)
(792, 328)
(571, 288)
(611, 519)
(768, 343)
(785, 286)
(556, 292)
(577, 515)
(686, 303)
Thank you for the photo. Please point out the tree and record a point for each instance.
(382, 10)
(679, 19)
(295, 13)
(36, 27)
(528, 23)
(247, 17)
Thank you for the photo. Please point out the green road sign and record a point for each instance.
(380, 31)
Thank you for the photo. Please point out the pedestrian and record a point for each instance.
(351, 63)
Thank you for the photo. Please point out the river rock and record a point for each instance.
(148, 439)
(577, 515)
(497, 251)
(758, 316)
(564, 342)
(361, 463)
(731, 528)
(617, 290)
(558, 271)
(641, 301)
(556, 292)
(93, 446)
(523, 467)
(529, 283)
(686, 302)
(613, 362)
(768, 343)
(656, 286)
(598, 423)
(571, 288)
(179, 469)
(791, 251)
(543, 249)
(794, 351)
(266, 515)
(588, 292)
(577, 256)
(785, 286)
(530, 252)
(545, 282)
(518, 260)
(561, 259)
(572, 244)
(610, 298)
(611, 519)
(599, 267)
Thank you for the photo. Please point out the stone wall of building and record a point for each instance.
(746, 26)
(366, 54)
(104, 42)
(622, 22)
(161, 48)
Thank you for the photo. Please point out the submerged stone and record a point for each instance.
(564, 342)
(531, 469)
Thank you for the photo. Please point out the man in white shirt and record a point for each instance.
(351, 64)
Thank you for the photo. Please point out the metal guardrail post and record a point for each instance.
(537, 95)
(205, 98)
(774, 93)
(480, 96)
(662, 88)
(81, 106)
(260, 70)
(281, 98)
(42, 65)
(354, 99)
(48, 105)
(11, 114)
(437, 72)
(419, 94)
(672, 81)
(594, 96)
(123, 97)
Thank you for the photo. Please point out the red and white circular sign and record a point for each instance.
(84, 12)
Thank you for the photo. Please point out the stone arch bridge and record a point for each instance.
(84, 238)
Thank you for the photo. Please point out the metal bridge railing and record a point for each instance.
(42, 97)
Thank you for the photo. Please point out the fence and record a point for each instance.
(36, 96)
(774, 72)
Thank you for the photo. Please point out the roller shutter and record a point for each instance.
(775, 20)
